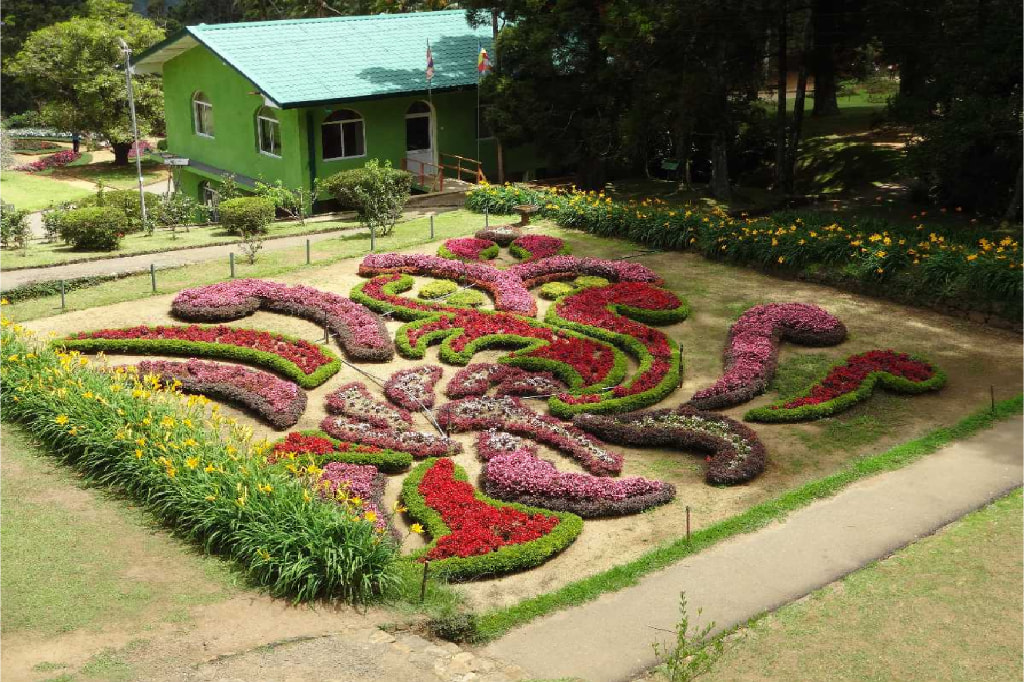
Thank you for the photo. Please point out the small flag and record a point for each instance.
(430, 63)
(483, 62)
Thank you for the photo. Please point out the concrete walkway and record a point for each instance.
(609, 639)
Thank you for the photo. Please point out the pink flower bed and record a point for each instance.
(509, 414)
(752, 350)
(476, 379)
(468, 249)
(417, 444)
(360, 332)
(52, 161)
(343, 481)
(277, 401)
(504, 286)
(413, 389)
(354, 401)
(535, 247)
(494, 442)
(568, 267)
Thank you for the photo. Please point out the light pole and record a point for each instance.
(135, 129)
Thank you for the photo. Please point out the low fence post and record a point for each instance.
(231, 262)
(487, 218)
(152, 276)
(63, 305)
(307, 252)
(431, 226)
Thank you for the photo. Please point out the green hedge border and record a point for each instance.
(492, 624)
(180, 347)
(507, 559)
(387, 461)
(887, 380)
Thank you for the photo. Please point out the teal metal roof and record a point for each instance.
(306, 61)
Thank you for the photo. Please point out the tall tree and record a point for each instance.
(75, 64)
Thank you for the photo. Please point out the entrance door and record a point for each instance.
(419, 139)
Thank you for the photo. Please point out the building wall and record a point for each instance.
(234, 146)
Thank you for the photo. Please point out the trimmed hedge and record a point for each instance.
(505, 560)
(125, 201)
(93, 229)
(246, 215)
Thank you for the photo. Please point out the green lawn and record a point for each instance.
(40, 254)
(945, 608)
(33, 192)
(270, 263)
(116, 177)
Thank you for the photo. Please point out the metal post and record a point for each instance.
(327, 333)
(487, 218)
(135, 129)
(992, 393)
(687, 523)
(373, 239)
(231, 262)
(431, 226)
(152, 276)
(62, 302)
(423, 585)
(307, 252)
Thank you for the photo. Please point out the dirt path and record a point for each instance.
(610, 638)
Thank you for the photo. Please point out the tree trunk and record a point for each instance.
(825, 25)
(780, 122)
(1013, 210)
(793, 147)
(720, 188)
(121, 150)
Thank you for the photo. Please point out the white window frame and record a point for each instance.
(196, 118)
(341, 124)
(260, 117)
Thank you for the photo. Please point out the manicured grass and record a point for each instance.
(116, 177)
(945, 608)
(51, 524)
(33, 192)
(41, 254)
(490, 625)
(270, 263)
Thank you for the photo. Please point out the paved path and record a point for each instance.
(609, 639)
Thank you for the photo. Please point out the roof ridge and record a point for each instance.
(314, 20)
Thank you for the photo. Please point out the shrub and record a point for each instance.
(437, 289)
(14, 230)
(161, 144)
(246, 215)
(178, 209)
(127, 202)
(378, 192)
(295, 203)
(94, 228)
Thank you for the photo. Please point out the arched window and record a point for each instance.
(268, 132)
(342, 136)
(202, 115)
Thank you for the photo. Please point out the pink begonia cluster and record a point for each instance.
(476, 379)
(360, 332)
(276, 400)
(494, 442)
(413, 388)
(562, 267)
(753, 347)
(504, 286)
(470, 248)
(417, 444)
(537, 247)
(364, 482)
(353, 400)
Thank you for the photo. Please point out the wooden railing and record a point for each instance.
(430, 175)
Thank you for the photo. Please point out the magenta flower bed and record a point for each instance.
(277, 401)
(535, 247)
(52, 161)
(342, 481)
(413, 389)
(522, 477)
(568, 267)
(360, 332)
(509, 414)
(504, 286)
(476, 379)
(354, 401)
(494, 442)
(417, 444)
(471, 249)
(752, 350)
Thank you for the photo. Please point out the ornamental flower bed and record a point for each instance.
(470, 249)
(307, 364)
(474, 536)
(360, 487)
(531, 248)
(313, 447)
(505, 287)
(278, 402)
(478, 378)
(413, 389)
(736, 453)
(502, 235)
(507, 413)
(52, 161)
(752, 350)
(353, 400)
(853, 381)
(524, 478)
(417, 444)
(568, 267)
(359, 332)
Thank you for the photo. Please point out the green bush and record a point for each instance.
(378, 192)
(14, 230)
(246, 215)
(94, 228)
(127, 202)
(161, 144)
(211, 485)
(437, 288)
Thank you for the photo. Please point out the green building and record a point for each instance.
(297, 100)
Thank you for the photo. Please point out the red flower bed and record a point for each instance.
(53, 161)
(846, 378)
(476, 527)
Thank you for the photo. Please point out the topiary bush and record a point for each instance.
(246, 215)
(98, 228)
(437, 289)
